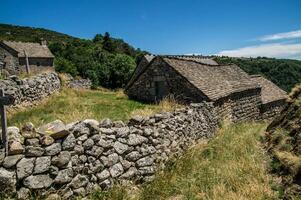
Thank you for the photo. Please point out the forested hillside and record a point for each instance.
(283, 72)
(107, 61)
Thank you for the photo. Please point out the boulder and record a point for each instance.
(62, 159)
(23, 193)
(32, 142)
(133, 156)
(14, 148)
(13, 134)
(46, 140)
(103, 175)
(88, 144)
(130, 173)
(146, 161)
(56, 129)
(105, 123)
(31, 151)
(11, 161)
(79, 181)
(42, 165)
(120, 148)
(53, 149)
(38, 182)
(7, 180)
(135, 139)
(95, 151)
(25, 167)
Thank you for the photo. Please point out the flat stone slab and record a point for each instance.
(55, 129)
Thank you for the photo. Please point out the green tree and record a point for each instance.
(108, 43)
(63, 65)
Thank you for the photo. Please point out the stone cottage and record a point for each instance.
(272, 97)
(19, 56)
(195, 79)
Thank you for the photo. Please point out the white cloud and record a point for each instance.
(280, 36)
(276, 50)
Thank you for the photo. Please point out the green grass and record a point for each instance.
(71, 105)
(232, 165)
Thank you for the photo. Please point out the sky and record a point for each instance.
(248, 28)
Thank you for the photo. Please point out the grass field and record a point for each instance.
(232, 166)
(72, 105)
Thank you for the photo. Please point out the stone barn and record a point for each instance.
(273, 98)
(236, 95)
(16, 56)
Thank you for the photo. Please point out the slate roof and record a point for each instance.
(201, 59)
(215, 81)
(269, 92)
(32, 49)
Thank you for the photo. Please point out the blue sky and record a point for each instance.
(229, 27)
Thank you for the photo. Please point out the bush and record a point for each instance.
(63, 65)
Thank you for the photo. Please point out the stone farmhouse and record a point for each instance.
(236, 95)
(16, 57)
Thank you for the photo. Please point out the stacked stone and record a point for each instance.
(77, 158)
(77, 83)
(31, 90)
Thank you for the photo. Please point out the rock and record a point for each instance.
(135, 139)
(126, 164)
(112, 159)
(122, 132)
(68, 193)
(46, 140)
(130, 173)
(80, 191)
(11, 161)
(149, 170)
(7, 180)
(91, 122)
(82, 138)
(136, 119)
(14, 148)
(120, 148)
(53, 197)
(107, 131)
(42, 164)
(118, 124)
(105, 123)
(32, 142)
(79, 149)
(69, 142)
(116, 170)
(105, 184)
(53, 149)
(64, 176)
(96, 138)
(80, 129)
(62, 159)
(79, 181)
(146, 161)
(53, 170)
(13, 134)
(23, 193)
(133, 156)
(83, 158)
(31, 151)
(103, 175)
(95, 151)
(88, 144)
(25, 167)
(28, 127)
(105, 144)
(38, 182)
(147, 131)
(56, 129)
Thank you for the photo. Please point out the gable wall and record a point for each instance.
(11, 62)
(143, 88)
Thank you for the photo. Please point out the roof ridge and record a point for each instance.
(198, 62)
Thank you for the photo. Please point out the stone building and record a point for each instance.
(16, 56)
(273, 98)
(195, 79)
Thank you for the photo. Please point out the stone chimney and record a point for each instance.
(43, 42)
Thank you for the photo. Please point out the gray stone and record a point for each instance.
(31, 151)
(80, 191)
(14, 148)
(38, 182)
(116, 170)
(13, 134)
(118, 124)
(53, 170)
(62, 159)
(122, 132)
(136, 119)
(96, 138)
(23, 193)
(126, 164)
(32, 142)
(83, 158)
(55, 129)
(135, 139)
(42, 164)
(69, 142)
(53, 197)
(105, 184)
(25, 167)
(46, 140)
(146, 161)
(79, 181)
(148, 170)
(95, 151)
(112, 159)
(88, 144)
(133, 156)
(64, 176)
(105, 123)
(120, 148)
(130, 173)
(103, 175)
(91, 122)
(53, 149)
(147, 131)
(82, 138)
(103, 143)
(79, 149)
(7, 180)
(107, 131)
(11, 161)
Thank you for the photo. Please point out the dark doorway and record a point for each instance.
(161, 90)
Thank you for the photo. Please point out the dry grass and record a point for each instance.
(232, 166)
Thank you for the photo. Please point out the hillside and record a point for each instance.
(283, 72)
(107, 61)
(283, 143)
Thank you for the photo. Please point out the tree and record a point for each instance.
(65, 66)
(108, 43)
(97, 38)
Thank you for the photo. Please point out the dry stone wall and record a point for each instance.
(77, 158)
(28, 91)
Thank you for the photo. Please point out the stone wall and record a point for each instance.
(270, 110)
(80, 157)
(29, 91)
(11, 63)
